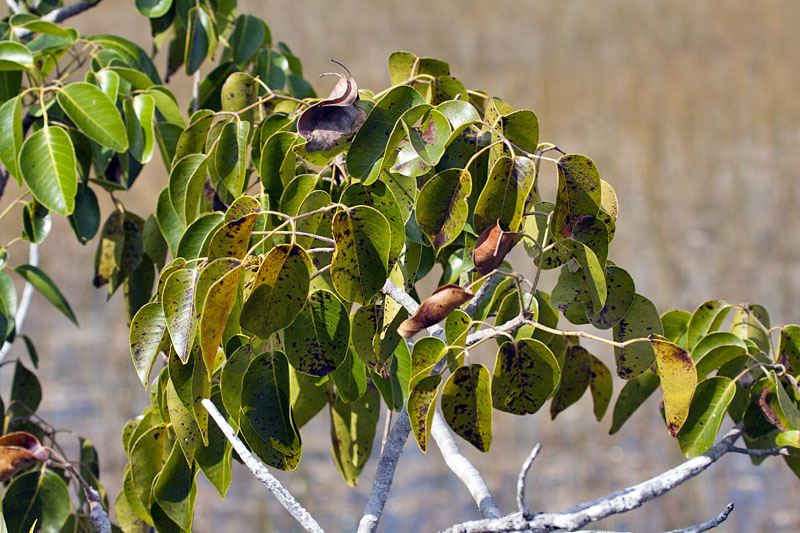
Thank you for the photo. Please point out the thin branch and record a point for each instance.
(59, 15)
(768, 452)
(462, 468)
(615, 503)
(261, 473)
(711, 524)
(25, 301)
(483, 292)
(521, 480)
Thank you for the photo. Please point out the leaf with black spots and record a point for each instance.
(422, 407)
(525, 375)
(316, 342)
(467, 405)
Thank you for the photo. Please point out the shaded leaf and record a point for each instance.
(422, 407)
(36, 500)
(633, 394)
(441, 207)
(174, 489)
(602, 386)
(503, 197)
(316, 342)
(525, 375)
(467, 405)
(42, 283)
(575, 379)
(491, 248)
(352, 433)
(639, 322)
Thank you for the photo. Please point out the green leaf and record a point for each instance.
(430, 139)
(36, 500)
(592, 272)
(200, 39)
(370, 142)
(146, 457)
(503, 197)
(247, 37)
(174, 489)
(278, 162)
(602, 386)
(359, 264)
(42, 283)
(272, 68)
(379, 196)
(633, 394)
(230, 155)
(179, 310)
(375, 341)
(710, 401)
(424, 355)
(192, 139)
(350, 379)
(147, 331)
(36, 222)
(153, 8)
(26, 393)
(279, 291)
(789, 348)
(394, 388)
(11, 126)
(95, 114)
(441, 208)
(525, 375)
(184, 423)
(186, 181)
(316, 342)
(716, 349)
(198, 234)
(678, 382)
(620, 291)
(85, 219)
(352, 433)
(676, 326)
(579, 193)
(575, 379)
(231, 379)
(467, 405)
(751, 322)
(15, 56)
(266, 421)
(706, 319)
(144, 110)
(639, 322)
(422, 407)
(788, 438)
(233, 238)
(401, 66)
(221, 277)
(215, 458)
(47, 165)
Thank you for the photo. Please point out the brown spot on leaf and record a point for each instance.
(492, 247)
(434, 309)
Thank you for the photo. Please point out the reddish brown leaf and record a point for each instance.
(331, 122)
(492, 247)
(435, 308)
(17, 450)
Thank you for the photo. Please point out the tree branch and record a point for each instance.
(521, 480)
(261, 473)
(711, 524)
(615, 503)
(59, 15)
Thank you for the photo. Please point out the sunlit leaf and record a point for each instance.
(467, 405)
(678, 381)
(710, 401)
(422, 407)
(525, 375)
(639, 322)
(95, 114)
(316, 342)
(47, 165)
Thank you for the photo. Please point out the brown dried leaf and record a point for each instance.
(435, 308)
(331, 122)
(492, 247)
(17, 450)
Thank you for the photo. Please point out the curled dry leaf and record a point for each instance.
(492, 247)
(435, 308)
(17, 450)
(333, 121)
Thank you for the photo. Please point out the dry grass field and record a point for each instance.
(689, 108)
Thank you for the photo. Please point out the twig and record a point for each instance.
(24, 302)
(710, 524)
(261, 473)
(767, 452)
(521, 480)
(463, 469)
(615, 503)
(58, 15)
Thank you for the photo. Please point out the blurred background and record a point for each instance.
(689, 108)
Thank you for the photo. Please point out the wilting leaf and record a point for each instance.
(639, 322)
(525, 375)
(266, 420)
(18, 450)
(359, 264)
(352, 433)
(279, 291)
(467, 405)
(422, 407)
(316, 342)
(434, 309)
(491, 248)
(441, 208)
(678, 382)
(335, 120)
(633, 394)
(710, 401)
(147, 331)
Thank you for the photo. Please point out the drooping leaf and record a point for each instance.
(316, 342)
(36, 222)
(710, 401)
(233, 238)
(350, 378)
(223, 283)
(716, 349)
(179, 309)
(602, 387)
(47, 165)
(467, 405)
(633, 394)
(85, 219)
(186, 181)
(422, 407)
(525, 375)
(620, 291)
(441, 208)
(491, 248)
(95, 114)
(575, 379)
(380, 197)
(200, 39)
(153, 8)
(42, 283)
(174, 489)
(214, 459)
(231, 379)
(266, 420)
(352, 433)
(503, 197)
(15, 56)
(639, 322)
(434, 309)
(279, 291)
(676, 326)
(678, 381)
(359, 264)
(26, 393)
(424, 355)
(146, 333)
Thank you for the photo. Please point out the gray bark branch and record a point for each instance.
(61, 14)
(262, 474)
